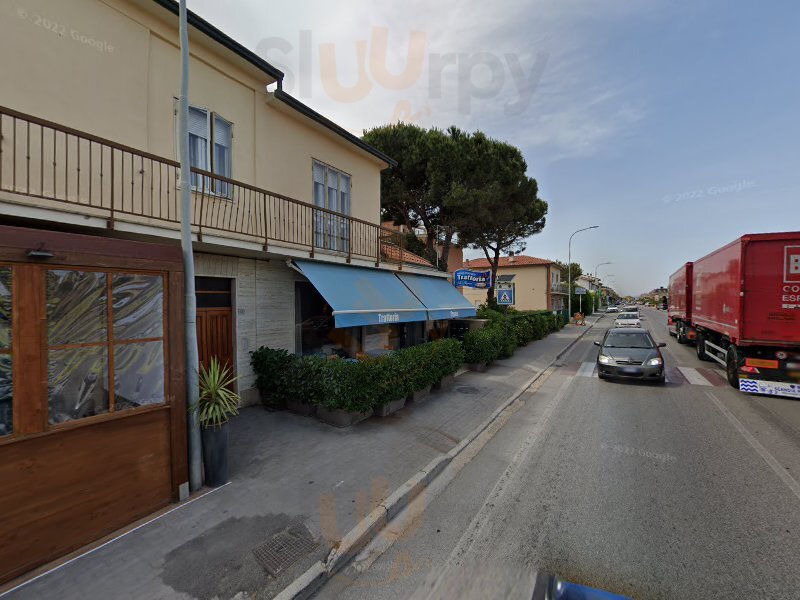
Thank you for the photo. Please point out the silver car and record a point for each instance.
(627, 319)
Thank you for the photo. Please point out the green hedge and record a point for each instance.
(506, 330)
(354, 385)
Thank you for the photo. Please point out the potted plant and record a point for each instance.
(216, 404)
(393, 383)
(449, 358)
(348, 392)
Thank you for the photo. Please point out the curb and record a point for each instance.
(366, 529)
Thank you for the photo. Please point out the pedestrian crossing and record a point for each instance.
(675, 375)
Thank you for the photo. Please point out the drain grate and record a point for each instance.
(283, 549)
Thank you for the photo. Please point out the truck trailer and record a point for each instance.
(741, 306)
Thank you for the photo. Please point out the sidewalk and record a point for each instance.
(289, 472)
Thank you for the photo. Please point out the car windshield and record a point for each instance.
(628, 340)
(628, 316)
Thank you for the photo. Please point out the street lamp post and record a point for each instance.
(569, 270)
(598, 284)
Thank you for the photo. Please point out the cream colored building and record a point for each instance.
(287, 241)
(536, 282)
(109, 70)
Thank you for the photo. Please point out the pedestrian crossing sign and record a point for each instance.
(505, 295)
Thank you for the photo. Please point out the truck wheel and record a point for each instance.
(700, 346)
(680, 335)
(732, 366)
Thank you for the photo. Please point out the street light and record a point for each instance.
(569, 270)
(596, 277)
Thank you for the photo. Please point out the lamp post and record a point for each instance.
(569, 269)
(598, 280)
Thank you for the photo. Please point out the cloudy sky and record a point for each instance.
(674, 126)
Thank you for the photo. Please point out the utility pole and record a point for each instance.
(190, 303)
(599, 290)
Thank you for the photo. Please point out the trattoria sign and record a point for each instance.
(474, 279)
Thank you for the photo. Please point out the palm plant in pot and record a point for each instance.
(215, 406)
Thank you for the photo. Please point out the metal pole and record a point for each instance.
(569, 271)
(190, 305)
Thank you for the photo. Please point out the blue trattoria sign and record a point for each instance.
(475, 279)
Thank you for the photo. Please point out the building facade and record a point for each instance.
(531, 283)
(288, 247)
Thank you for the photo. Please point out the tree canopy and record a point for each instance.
(463, 188)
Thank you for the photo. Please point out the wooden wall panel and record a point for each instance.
(65, 489)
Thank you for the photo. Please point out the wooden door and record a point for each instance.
(214, 321)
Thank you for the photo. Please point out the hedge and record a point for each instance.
(354, 385)
(507, 329)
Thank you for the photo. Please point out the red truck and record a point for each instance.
(741, 306)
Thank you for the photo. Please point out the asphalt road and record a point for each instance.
(687, 490)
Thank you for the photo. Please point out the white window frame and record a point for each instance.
(331, 233)
(220, 189)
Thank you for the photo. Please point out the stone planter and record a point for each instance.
(477, 367)
(340, 418)
(445, 384)
(419, 395)
(300, 408)
(392, 407)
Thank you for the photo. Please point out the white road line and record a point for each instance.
(484, 514)
(693, 377)
(586, 369)
(790, 481)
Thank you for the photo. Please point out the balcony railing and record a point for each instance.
(560, 287)
(96, 177)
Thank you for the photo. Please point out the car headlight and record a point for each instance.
(654, 362)
(604, 360)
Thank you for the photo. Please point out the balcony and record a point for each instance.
(560, 287)
(128, 189)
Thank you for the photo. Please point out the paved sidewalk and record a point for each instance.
(289, 472)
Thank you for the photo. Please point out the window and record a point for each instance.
(331, 190)
(105, 342)
(210, 142)
(6, 388)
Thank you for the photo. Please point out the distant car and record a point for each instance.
(614, 309)
(630, 308)
(630, 353)
(627, 319)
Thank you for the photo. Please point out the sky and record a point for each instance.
(673, 126)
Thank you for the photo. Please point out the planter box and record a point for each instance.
(300, 408)
(392, 407)
(445, 384)
(419, 395)
(339, 417)
(477, 367)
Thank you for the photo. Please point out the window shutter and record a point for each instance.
(198, 122)
(222, 132)
(319, 173)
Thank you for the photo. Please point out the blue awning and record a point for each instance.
(442, 300)
(363, 296)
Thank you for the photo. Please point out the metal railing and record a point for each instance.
(101, 178)
(559, 288)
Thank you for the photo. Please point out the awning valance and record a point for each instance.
(363, 296)
(442, 300)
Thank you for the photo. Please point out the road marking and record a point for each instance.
(483, 516)
(693, 376)
(586, 370)
(790, 481)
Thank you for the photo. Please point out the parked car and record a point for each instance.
(627, 319)
(630, 353)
